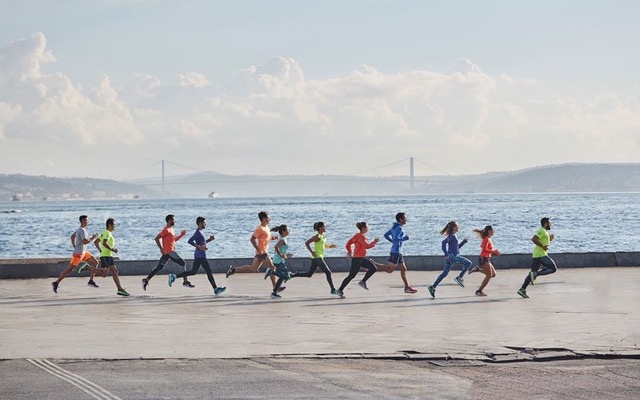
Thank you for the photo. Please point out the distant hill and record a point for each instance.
(19, 187)
(554, 178)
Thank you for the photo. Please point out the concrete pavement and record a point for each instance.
(584, 311)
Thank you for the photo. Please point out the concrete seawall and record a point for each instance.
(47, 268)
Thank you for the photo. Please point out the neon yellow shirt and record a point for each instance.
(111, 241)
(319, 246)
(545, 239)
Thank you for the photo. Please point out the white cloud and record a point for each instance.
(464, 120)
(193, 79)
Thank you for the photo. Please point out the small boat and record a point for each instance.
(214, 195)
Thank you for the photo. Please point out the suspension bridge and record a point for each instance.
(212, 177)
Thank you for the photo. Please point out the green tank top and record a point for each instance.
(319, 246)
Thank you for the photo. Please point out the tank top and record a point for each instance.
(319, 246)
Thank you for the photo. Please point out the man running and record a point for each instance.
(260, 241)
(167, 249)
(397, 236)
(106, 245)
(542, 239)
(81, 257)
(199, 241)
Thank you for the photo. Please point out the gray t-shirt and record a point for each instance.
(81, 235)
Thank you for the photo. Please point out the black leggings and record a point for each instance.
(315, 264)
(356, 264)
(549, 268)
(173, 256)
(197, 263)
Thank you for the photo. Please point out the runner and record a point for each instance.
(319, 241)
(81, 257)
(542, 240)
(199, 241)
(484, 261)
(167, 249)
(260, 241)
(279, 259)
(451, 249)
(106, 245)
(359, 240)
(396, 236)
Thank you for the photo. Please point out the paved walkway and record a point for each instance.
(583, 310)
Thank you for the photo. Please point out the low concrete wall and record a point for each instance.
(32, 269)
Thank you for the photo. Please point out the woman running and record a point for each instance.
(279, 260)
(358, 260)
(451, 249)
(484, 261)
(317, 255)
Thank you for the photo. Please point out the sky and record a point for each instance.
(109, 88)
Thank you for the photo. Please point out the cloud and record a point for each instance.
(269, 118)
(193, 79)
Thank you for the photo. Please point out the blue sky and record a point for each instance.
(531, 60)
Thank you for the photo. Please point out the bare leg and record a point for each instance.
(254, 267)
(403, 274)
(114, 275)
(489, 272)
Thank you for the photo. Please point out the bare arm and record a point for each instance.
(313, 239)
(538, 243)
(157, 239)
(280, 253)
(254, 242)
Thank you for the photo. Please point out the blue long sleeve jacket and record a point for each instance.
(396, 236)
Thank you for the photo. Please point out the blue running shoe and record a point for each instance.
(219, 290)
(268, 273)
(432, 291)
(172, 278)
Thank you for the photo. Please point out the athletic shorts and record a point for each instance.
(396, 258)
(76, 258)
(483, 260)
(106, 262)
(262, 257)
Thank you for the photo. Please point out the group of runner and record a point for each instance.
(277, 269)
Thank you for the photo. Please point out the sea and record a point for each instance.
(585, 222)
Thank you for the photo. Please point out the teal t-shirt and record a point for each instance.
(111, 241)
(283, 249)
(545, 239)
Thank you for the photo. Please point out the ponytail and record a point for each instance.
(448, 230)
(483, 233)
(361, 225)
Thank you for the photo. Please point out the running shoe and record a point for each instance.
(363, 285)
(92, 283)
(268, 273)
(275, 295)
(54, 286)
(523, 293)
(219, 290)
(432, 291)
(82, 266)
(230, 271)
(122, 293)
(340, 294)
(188, 284)
(334, 292)
(473, 269)
(281, 288)
(145, 283)
(459, 281)
(410, 289)
(172, 278)
(480, 293)
(532, 276)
